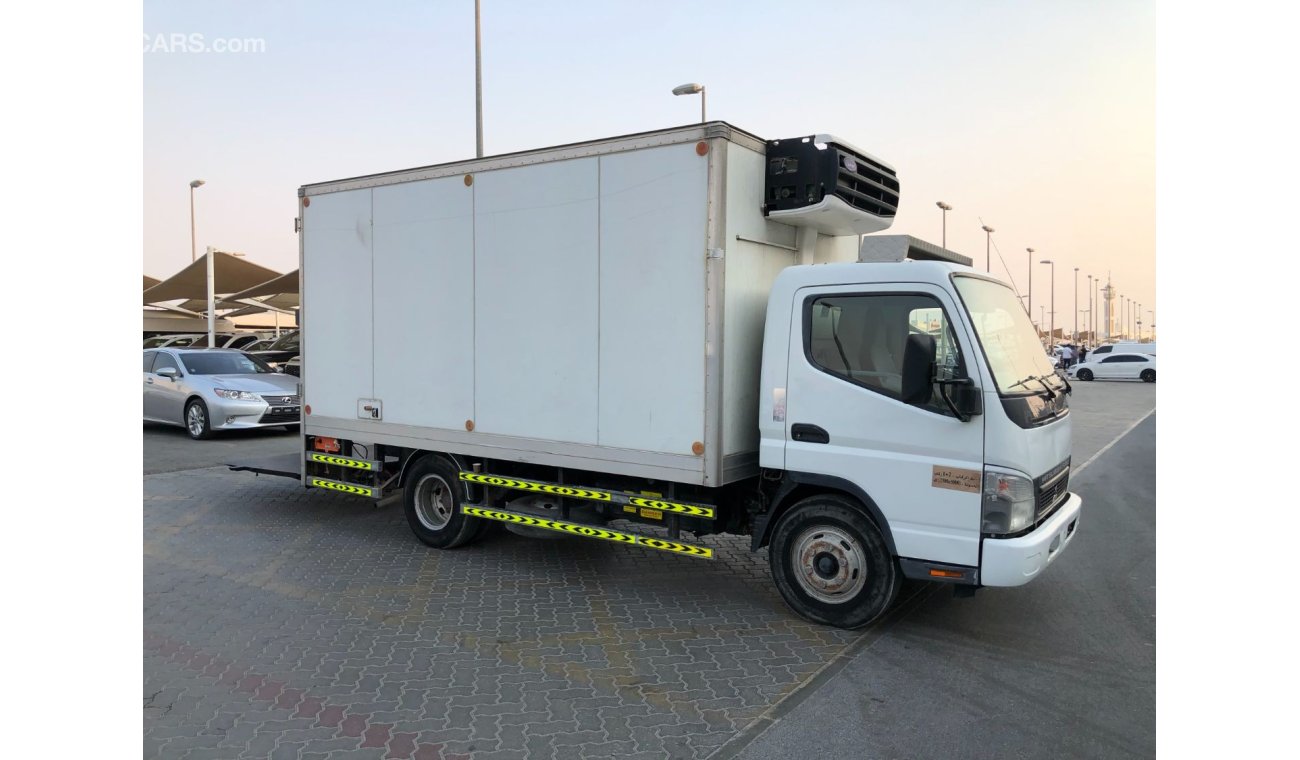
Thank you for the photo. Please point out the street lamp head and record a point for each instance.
(987, 229)
(1031, 250)
(196, 183)
(1045, 261)
(688, 89)
(943, 205)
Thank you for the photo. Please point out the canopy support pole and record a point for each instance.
(212, 311)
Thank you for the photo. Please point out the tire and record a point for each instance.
(831, 564)
(432, 499)
(197, 421)
(1085, 375)
(1148, 376)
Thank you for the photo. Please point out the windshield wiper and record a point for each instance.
(1051, 394)
(1019, 383)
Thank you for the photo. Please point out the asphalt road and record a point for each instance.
(1062, 667)
(169, 448)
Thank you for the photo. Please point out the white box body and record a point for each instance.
(597, 306)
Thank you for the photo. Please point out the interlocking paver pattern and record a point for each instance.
(287, 623)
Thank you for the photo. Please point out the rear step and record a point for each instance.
(586, 531)
(629, 502)
(373, 492)
(316, 462)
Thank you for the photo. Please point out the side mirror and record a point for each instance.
(170, 373)
(918, 369)
(963, 397)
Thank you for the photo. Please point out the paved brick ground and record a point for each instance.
(283, 623)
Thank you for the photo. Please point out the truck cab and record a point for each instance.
(918, 388)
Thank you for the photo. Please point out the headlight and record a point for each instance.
(1008, 503)
(236, 395)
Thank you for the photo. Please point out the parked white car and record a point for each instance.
(1124, 348)
(1116, 367)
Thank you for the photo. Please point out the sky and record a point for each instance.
(1035, 118)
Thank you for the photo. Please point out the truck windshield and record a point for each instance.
(1006, 334)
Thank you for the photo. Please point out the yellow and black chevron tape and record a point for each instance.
(534, 486)
(592, 494)
(356, 464)
(342, 487)
(587, 531)
(672, 506)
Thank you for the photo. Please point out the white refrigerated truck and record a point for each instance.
(651, 338)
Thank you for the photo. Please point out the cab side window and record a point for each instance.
(861, 339)
(148, 360)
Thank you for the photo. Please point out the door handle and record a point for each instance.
(149, 380)
(805, 433)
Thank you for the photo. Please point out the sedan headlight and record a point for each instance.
(236, 395)
(1008, 503)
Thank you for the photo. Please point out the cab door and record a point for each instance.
(919, 464)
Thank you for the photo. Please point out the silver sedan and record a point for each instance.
(210, 389)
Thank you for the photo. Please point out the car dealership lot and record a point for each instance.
(281, 622)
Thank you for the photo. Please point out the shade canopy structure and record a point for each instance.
(281, 302)
(285, 283)
(278, 301)
(231, 274)
(149, 282)
(166, 321)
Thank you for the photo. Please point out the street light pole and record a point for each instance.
(690, 89)
(1076, 304)
(1051, 333)
(988, 238)
(945, 208)
(193, 251)
(1092, 334)
(1030, 308)
(478, 80)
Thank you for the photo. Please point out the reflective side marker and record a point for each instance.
(589, 531)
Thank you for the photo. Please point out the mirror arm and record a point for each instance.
(943, 393)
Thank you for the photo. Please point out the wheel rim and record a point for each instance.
(433, 503)
(829, 564)
(194, 419)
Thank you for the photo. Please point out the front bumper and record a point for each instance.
(1017, 561)
(240, 415)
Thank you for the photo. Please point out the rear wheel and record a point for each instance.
(831, 563)
(1085, 375)
(432, 499)
(196, 420)
(1148, 376)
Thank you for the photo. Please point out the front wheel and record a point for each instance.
(432, 499)
(1085, 375)
(197, 420)
(831, 563)
(1148, 376)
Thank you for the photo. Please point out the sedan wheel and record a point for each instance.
(1148, 376)
(1085, 375)
(196, 420)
